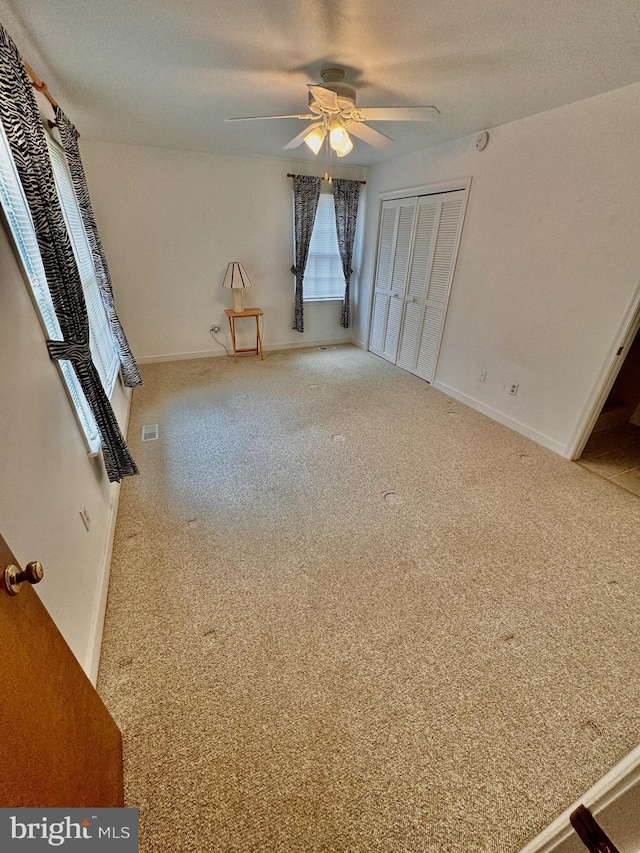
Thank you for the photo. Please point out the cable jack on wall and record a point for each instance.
(213, 331)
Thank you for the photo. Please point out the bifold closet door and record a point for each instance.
(435, 244)
(394, 253)
(416, 257)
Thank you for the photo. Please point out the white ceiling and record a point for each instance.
(168, 72)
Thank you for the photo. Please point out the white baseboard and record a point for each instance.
(92, 662)
(302, 344)
(179, 356)
(618, 781)
(97, 629)
(332, 342)
(505, 420)
(360, 344)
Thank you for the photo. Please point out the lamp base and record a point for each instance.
(238, 307)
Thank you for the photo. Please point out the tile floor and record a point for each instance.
(615, 455)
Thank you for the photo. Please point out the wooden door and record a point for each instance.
(59, 746)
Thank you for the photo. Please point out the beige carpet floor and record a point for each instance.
(347, 613)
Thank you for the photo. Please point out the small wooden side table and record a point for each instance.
(248, 312)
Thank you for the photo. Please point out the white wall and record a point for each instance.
(172, 220)
(549, 259)
(46, 473)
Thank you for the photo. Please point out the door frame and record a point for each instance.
(614, 359)
(435, 188)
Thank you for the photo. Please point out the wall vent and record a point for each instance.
(324, 348)
(150, 432)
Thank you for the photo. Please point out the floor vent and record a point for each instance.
(324, 348)
(150, 432)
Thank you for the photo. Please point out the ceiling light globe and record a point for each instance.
(315, 138)
(346, 148)
(338, 135)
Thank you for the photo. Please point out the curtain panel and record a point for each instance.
(69, 138)
(346, 195)
(306, 193)
(21, 122)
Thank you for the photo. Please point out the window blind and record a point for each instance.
(20, 223)
(103, 351)
(323, 278)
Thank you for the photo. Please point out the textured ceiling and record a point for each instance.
(167, 73)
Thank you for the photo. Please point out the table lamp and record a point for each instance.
(236, 279)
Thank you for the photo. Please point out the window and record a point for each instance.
(20, 222)
(323, 278)
(103, 351)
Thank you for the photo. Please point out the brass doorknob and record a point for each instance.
(14, 577)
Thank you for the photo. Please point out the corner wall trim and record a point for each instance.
(505, 420)
(623, 776)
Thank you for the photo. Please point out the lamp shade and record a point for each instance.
(236, 276)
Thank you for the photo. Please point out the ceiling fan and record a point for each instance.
(335, 116)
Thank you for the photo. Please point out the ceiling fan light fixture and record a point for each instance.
(315, 138)
(338, 135)
(346, 148)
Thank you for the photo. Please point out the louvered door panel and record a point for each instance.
(402, 250)
(410, 335)
(394, 252)
(384, 267)
(394, 316)
(429, 342)
(445, 247)
(378, 322)
(385, 251)
(401, 259)
(422, 249)
(444, 256)
(419, 270)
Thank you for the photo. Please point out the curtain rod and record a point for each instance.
(42, 87)
(290, 175)
(39, 84)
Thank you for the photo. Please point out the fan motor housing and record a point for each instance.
(332, 79)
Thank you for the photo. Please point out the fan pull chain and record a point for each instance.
(327, 176)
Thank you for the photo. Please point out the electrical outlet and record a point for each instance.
(215, 329)
(513, 389)
(86, 518)
(482, 376)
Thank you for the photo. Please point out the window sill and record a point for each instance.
(323, 299)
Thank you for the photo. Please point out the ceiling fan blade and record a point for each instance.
(325, 97)
(299, 139)
(305, 116)
(368, 134)
(400, 113)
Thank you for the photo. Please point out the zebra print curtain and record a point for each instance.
(345, 200)
(21, 122)
(69, 138)
(306, 193)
